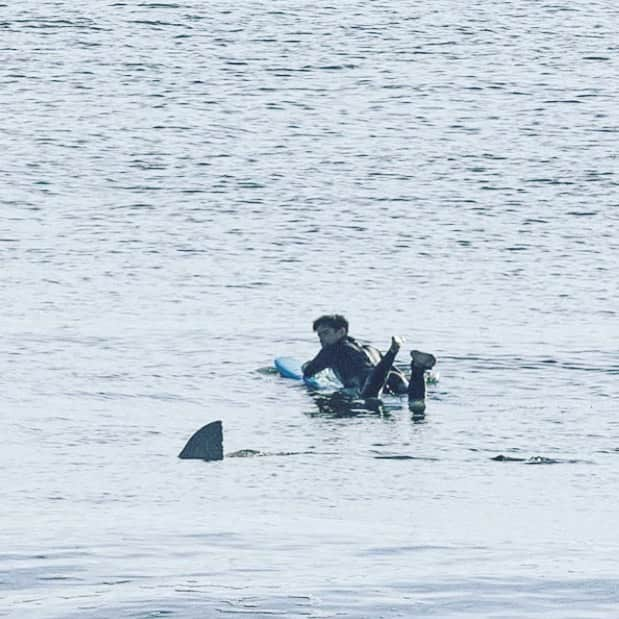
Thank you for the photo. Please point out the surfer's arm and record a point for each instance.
(320, 362)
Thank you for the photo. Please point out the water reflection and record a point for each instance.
(340, 404)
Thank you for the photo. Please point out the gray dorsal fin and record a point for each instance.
(205, 444)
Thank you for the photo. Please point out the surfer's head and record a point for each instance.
(330, 328)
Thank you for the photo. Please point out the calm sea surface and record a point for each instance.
(186, 186)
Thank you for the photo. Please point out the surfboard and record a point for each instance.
(289, 367)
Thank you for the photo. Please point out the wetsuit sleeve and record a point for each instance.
(320, 362)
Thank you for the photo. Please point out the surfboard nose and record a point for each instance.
(205, 444)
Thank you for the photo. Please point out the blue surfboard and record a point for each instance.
(289, 367)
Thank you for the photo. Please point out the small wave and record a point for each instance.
(404, 457)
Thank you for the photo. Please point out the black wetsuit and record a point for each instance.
(346, 358)
(361, 368)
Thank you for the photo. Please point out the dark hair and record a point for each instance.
(335, 321)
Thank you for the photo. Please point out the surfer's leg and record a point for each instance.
(377, 379)
(420, 362)
(396, 380)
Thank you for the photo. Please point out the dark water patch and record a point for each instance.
(248, 285)
(159, 5)
(531, 221)
(549, 181)
(337, 67)
(157, 24)
(268, 370)
(13, 556)
(191, 250)
(539, 460)
(502, 458)
(517, 248)
(42, 23)
(142, 188)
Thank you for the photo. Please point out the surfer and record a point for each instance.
(362, 369)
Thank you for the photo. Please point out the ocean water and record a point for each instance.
(187, 185)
